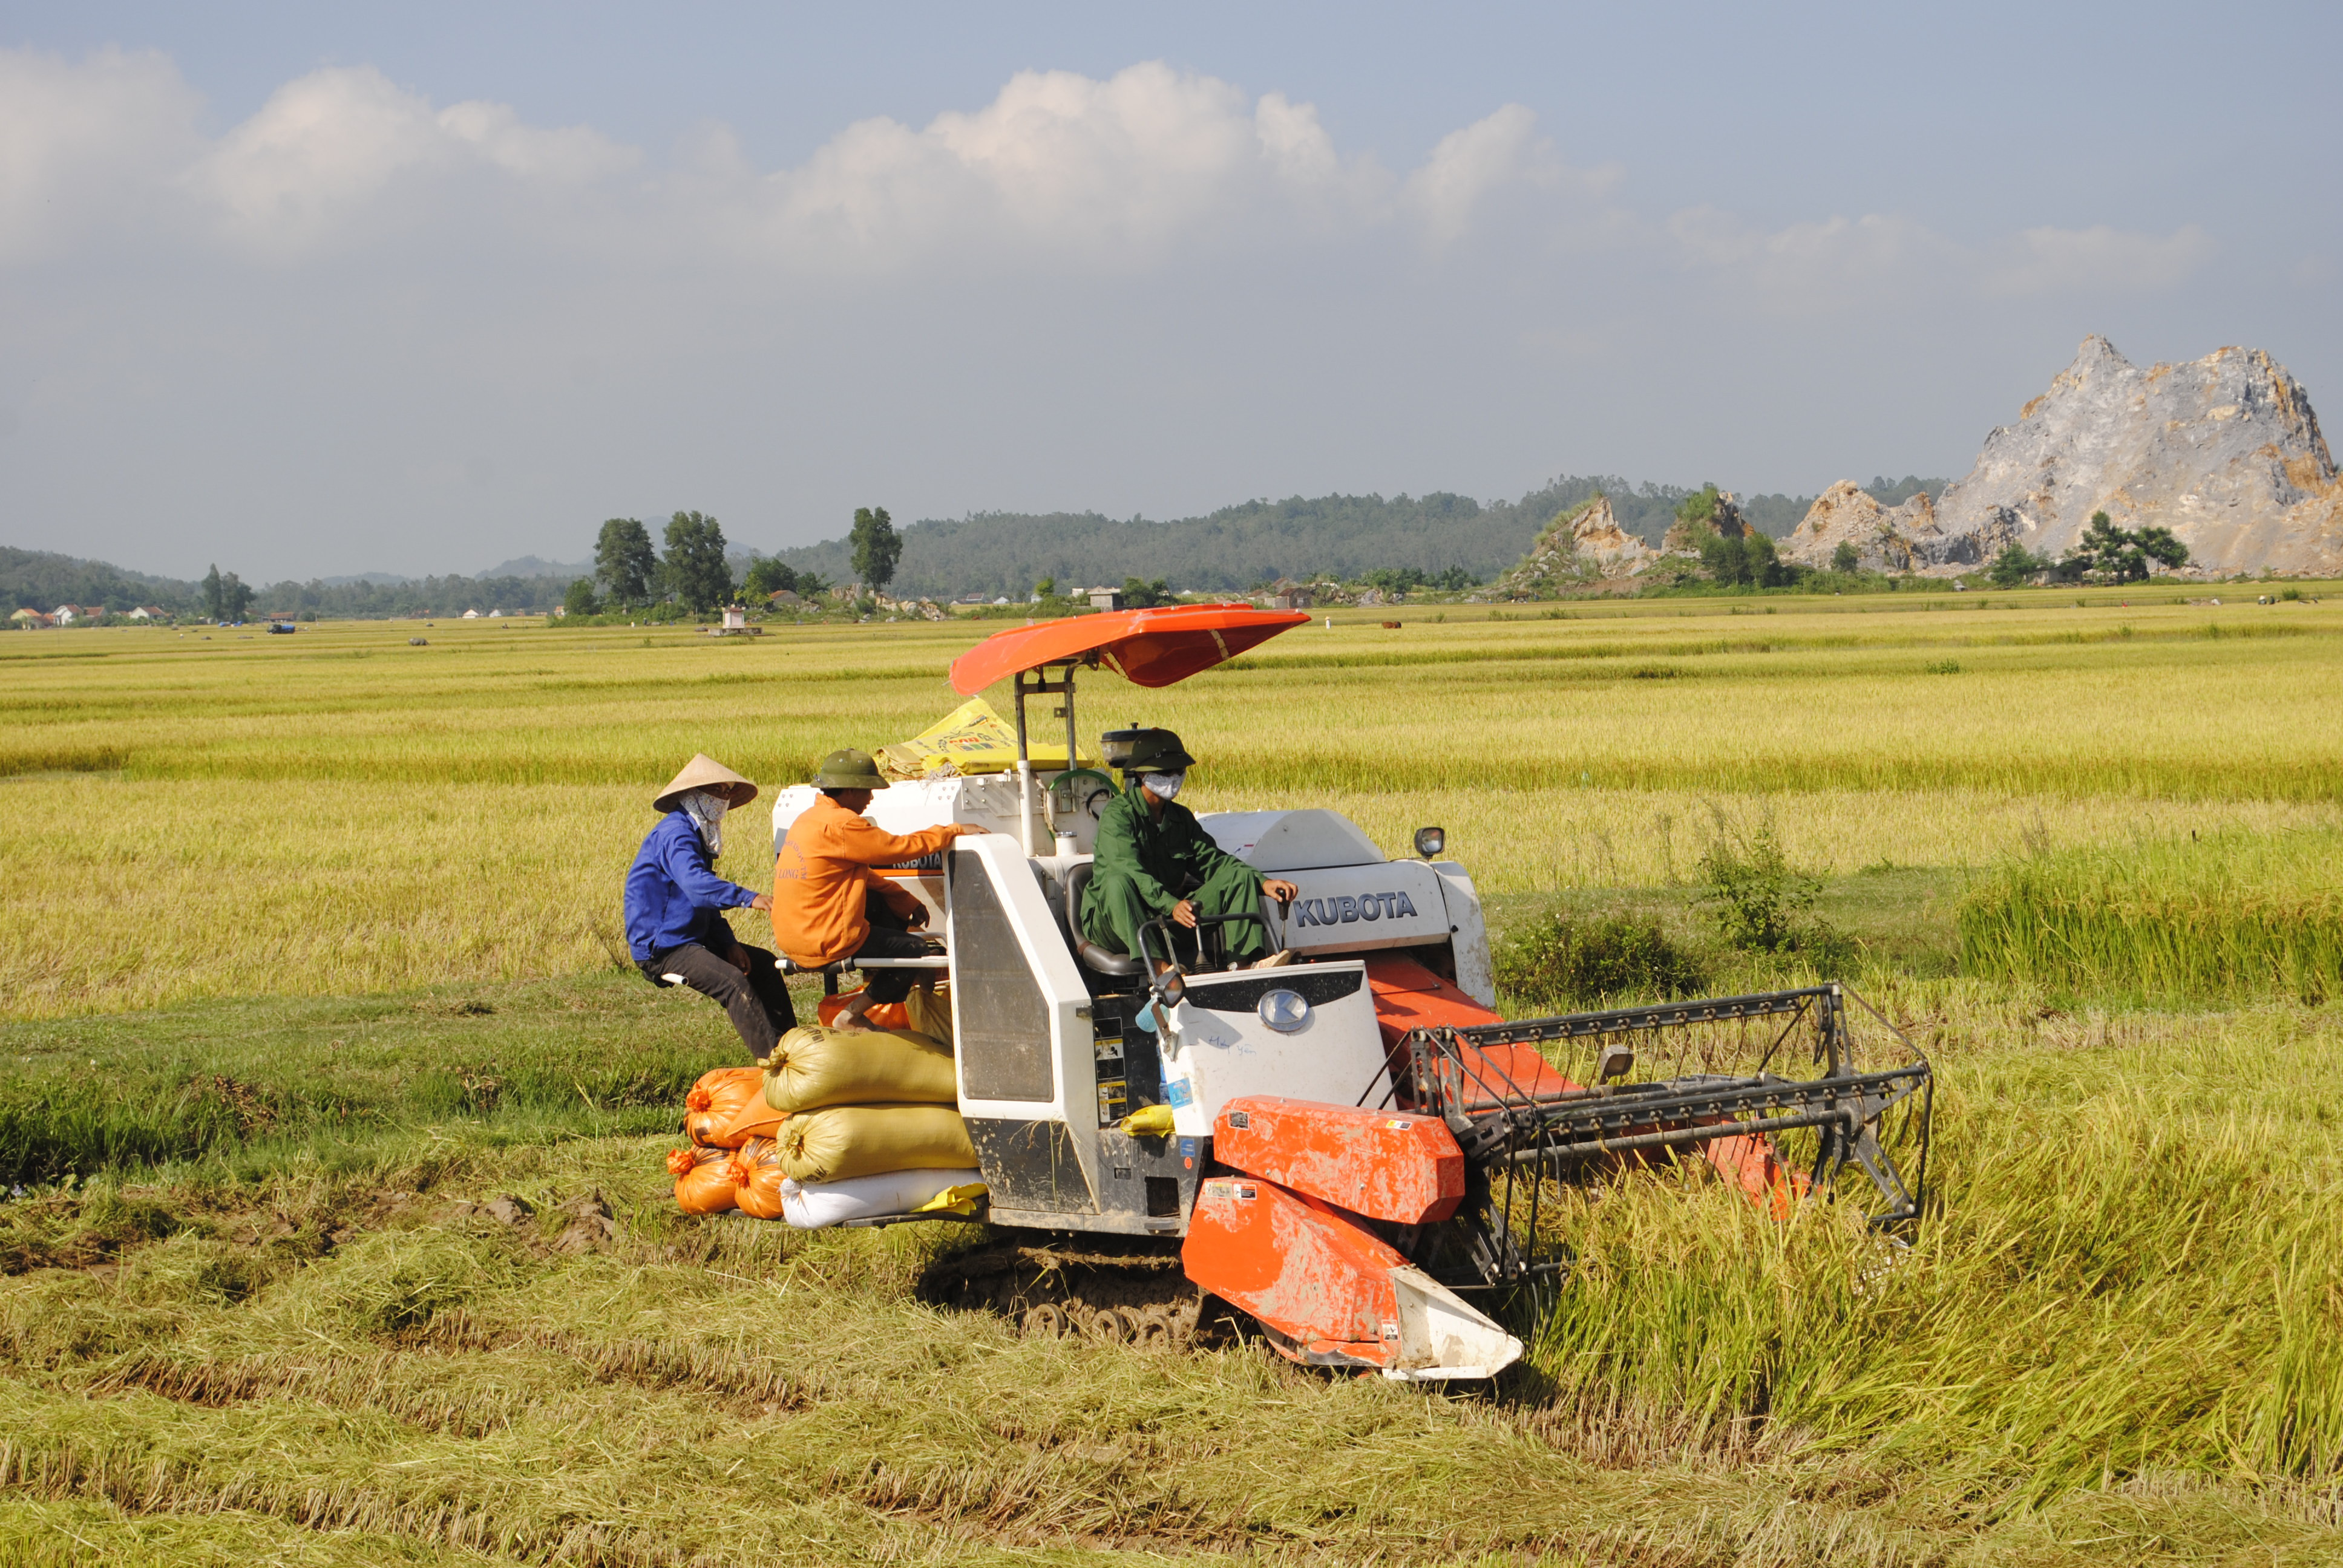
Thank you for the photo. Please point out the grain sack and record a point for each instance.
(716, 1101)
(928, 1011)
(756, 1174)
(703, 1179)
(843, 1141)
(754, 1120)
(811, 1206)
(877, 1015)
(814, 1067)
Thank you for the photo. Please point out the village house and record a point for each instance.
(31, 619)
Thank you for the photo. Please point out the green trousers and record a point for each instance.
(1113, 910)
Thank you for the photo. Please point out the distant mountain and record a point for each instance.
(996, 553)
(2224, 451)
(1235, 549)
(526, 566)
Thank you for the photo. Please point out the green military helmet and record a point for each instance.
(1149, 751)
(847, 768)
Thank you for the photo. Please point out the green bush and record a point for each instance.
(1761, 904)
(1560, 963)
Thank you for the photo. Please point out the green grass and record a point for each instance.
(2227, 914)
(246, 1084)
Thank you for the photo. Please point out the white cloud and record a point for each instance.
(311, 168)
(2056, 260)
(85, 146)
(1826, 265)
(1131, 169)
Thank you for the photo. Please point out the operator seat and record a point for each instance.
(1095, 956)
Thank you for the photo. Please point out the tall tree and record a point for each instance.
(624, 561)
(877, 547)
(694, 567)
(214, 606)
(236, 597)
(768, 575)
(2122, 554)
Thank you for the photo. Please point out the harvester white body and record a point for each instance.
(1341, 1129)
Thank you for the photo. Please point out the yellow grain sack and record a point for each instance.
(842, 1142)
(813, 1067)
(929, 1008)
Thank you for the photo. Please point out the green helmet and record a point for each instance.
(1155, 751)
(847, 768)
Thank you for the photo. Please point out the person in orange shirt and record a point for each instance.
(828, 904)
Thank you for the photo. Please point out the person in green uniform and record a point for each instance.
(1154, 859)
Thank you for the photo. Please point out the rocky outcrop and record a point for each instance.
(1683, 538)
(1886, 539)
(1586, 542)
(1596, 536)
(2224, 451)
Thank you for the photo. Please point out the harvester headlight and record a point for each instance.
(1284, 1010)
(1430, 842)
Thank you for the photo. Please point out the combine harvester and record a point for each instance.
(1353, 1150)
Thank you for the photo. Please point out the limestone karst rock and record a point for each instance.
(1595, 536)
(1583, 542)
(1886, 539)
(2224, 451)
(1683, 538)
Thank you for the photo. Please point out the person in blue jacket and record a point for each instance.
(675, 906)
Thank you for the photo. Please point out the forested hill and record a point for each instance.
(1237, 547)
(41, 579)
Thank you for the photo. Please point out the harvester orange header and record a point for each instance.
(1145, 647)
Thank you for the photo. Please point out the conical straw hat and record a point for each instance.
(704, 773)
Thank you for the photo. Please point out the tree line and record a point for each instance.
(692, 573)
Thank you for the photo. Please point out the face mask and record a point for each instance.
(707, 813)
(1164, 786)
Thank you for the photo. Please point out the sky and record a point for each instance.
(315, 289)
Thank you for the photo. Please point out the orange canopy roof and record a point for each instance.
(1145, 647)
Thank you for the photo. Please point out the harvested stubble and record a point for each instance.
(2116, 1342)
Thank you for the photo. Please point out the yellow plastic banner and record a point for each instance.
(971, 739)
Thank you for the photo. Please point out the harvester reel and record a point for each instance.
(1772, 1090)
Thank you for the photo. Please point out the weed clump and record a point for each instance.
(1561, 963)
(1762, 904)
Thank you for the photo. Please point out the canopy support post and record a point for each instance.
(1036, 683)
(1025, 766)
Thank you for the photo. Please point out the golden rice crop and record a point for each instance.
(2222, 915)
(338, 811)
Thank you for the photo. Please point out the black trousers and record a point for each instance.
(757, 1002)
(890, 938)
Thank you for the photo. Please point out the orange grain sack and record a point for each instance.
(881, 1014)
(716, 1102)
(755, 1174)
(703, 1179)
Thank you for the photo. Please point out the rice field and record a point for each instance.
(338, 811)
(312, 950)
(2231, 915)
